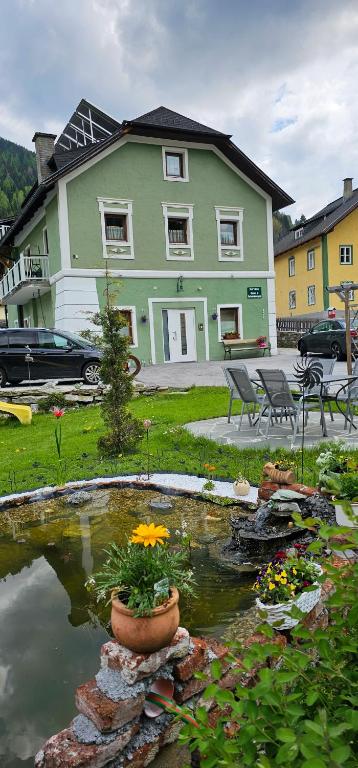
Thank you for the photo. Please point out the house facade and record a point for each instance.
(319, 253)
(171, 212)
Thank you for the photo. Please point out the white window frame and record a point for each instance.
(351, 295)
(123, 208)
(298, 233)
(223, 213)
(311, 259)
(309, 294)
(176, 151)
(291, 260)
(27, 322)
(345, 251)
(230, 306)
(133, 310)
(170, 214)
(44, 239)
(292, 295)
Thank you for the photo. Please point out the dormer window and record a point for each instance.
(298, 233)
(175, 164)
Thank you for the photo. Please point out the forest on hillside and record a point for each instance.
(282, 223)
(17, 175)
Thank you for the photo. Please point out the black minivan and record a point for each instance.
(39, 353)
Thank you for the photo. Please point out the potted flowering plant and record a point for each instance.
(286, 582)
(261, 341)
(142, 580)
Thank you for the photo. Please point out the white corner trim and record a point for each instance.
(188, 214)
(163, 274)
(180, 299)
(223, 213)
(270, 248)
(133, 310)
(230, 306)
(271, 308)
(62, 209)
(176, 151)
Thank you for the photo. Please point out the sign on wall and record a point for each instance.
(254, 293)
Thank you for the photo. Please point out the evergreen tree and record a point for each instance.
(17, 175)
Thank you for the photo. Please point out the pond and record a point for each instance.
(52, 630)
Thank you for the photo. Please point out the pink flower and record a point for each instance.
(147, 423)
(58, 412)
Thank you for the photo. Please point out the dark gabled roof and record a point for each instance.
(319, 224)
(162, 117)
(160, 122)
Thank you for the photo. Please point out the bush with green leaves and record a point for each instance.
(124, 430)
(302, 710)
(53, 400)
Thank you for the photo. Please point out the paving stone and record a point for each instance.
(105, 713)
(135, 667)
(65, 751)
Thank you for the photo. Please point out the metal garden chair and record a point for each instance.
(350, 397)
(279, 401)
(241, 388)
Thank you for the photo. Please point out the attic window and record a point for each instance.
(298, 233)
(175, 164)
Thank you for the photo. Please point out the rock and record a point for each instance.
(78, 498)
(285, 509)
(65, 751)
(135, 667)
(106, 713)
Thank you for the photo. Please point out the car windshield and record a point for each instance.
(78, 339)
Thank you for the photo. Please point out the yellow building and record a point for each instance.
(321, 252)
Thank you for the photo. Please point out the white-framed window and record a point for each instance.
(130, 316)
(45, 241)
(229, 233)
(351, 295)
(298, 233)
(175, 164)
(345, 254)
(116, 228)
(311, 262)
(311, 295)
(178, 223)
(292, 300)
(3, 229)
(291, 266)
(229, 320)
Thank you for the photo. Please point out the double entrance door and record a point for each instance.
(179, 335)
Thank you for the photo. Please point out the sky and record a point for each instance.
(279, 75)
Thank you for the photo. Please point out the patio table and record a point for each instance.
(324, 396)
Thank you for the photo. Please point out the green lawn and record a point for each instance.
(28, 456)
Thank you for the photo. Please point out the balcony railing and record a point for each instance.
(27, 272)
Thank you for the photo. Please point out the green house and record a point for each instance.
(171, 210)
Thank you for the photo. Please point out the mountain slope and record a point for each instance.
(17, 175)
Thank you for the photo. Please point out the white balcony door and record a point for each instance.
(181, 335)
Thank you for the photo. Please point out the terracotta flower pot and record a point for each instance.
(286, 477)
(150, 633)
(241, 487)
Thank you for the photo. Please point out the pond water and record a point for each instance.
(50, 628)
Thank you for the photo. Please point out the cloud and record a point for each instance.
(281, 77)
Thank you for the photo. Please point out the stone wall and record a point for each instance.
(112, 728)
(288, 339)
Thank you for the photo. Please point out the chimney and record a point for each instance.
(347, 188)
(44, 148)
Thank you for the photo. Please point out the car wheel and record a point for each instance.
(336, 351)
(2, 377)
(303, 349)
(91, 372)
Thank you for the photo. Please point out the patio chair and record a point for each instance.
(279, 401)
(242, 389)
(350, 397)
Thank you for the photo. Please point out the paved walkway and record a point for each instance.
(280, 434)
(210, 373)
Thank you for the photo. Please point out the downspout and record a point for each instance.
(325, 271)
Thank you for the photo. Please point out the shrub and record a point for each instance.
(54, 400)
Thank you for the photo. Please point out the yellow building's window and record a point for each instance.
(311, 295)
(291, 266)
(345, 254)
(292, 300)
(311, 260)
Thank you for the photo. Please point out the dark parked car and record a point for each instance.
(39, 353)
(328, 338)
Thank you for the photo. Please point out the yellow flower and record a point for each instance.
(277, 577)
(291, 587)
(271, 585)
(269, 569)
(283, 581)
(150, 535)
(283, 573)
(294, 571)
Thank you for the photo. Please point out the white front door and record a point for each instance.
(180, 335)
